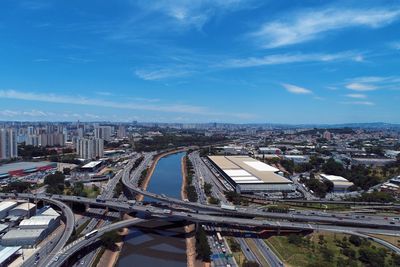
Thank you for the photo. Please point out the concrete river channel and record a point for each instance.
(160, 248)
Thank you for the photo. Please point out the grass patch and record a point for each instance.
(329, 249)
(237, 254)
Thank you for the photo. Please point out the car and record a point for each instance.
(56, 258)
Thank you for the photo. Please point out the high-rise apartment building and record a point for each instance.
(121, 131)
(103, 132)
(8, 144)
(90, 148)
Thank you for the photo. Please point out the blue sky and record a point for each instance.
(200, 61)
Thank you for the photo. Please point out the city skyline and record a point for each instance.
(200, 61)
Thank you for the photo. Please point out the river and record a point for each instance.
(161, 248)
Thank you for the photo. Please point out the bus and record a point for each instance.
(219, 237)
(90, 234)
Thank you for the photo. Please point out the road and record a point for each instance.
(82, 242)
(107, 193)
(43, 253)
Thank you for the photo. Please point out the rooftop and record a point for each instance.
(7, 252)
(23, 233)
(25, 206)
(24, 165)
(7, 205)
(246, 170)
(333, 178)
(37, 221)
(91, 164)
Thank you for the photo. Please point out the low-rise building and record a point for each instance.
(298, 159)
(340, 184)
(23, 237)
(23, 210)
(5, 207)
(248, 175)
(8, 255)
(40, 222)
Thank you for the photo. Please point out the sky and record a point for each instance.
(200, 61)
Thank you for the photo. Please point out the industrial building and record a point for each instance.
(340, 184)
(5, 207)
(92, 166)
(8, 254)
(24, 168)
(23, 210)
(30, 231)
(23, 237)
(37, 222)
(248, 175)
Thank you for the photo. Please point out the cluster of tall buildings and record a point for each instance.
(8, 143)
(90, 148)
(50, 135)
(87, 138)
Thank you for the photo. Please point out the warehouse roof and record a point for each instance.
(23, 165)
(333, 178)
(23, 233)
(7, 252)
(246, 170)
(48, 211)
(37, 221)
(25, 206)
(3, 227)
(91, 164)
(4, 205)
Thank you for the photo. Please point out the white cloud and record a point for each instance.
(29, 113)
(361, 87)
(362, 103)
(289, 58)
(78, 100)
(192, 13)
(159, 74)
(359, 96)
(371, 83)
(296, 89)
(304, 26)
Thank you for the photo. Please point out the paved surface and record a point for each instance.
(48, 251)
(82, 242)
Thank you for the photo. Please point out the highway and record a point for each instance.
(267, 253)
(204, 173)
(63, 255)
(107, 193)
(248, 212)
(360, 224)
(222, 220)
(43, 253)
(321, 222)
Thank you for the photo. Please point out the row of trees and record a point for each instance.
(203, 250)
(175, 140)
(353, 252)
(189, 187)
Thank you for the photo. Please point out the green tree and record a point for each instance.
(355, 240)
(203, 249)
(207, 188)
(55, 183)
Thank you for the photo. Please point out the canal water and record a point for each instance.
(160, 248)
